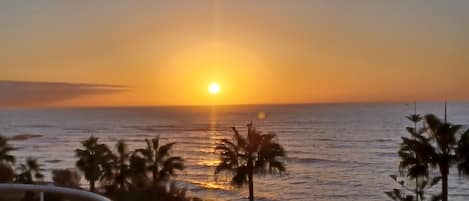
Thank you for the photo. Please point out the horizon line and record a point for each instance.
(227, 105)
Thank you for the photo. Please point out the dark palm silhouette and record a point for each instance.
(445, 146)
(7, 174)
(462, 153)
(411, 152)
(95, 160)
(6, 161)
(120, 177)
(129, 180)
(29, 172)
(157, 160)
(5, 150)
(258, 153)
(414, 153)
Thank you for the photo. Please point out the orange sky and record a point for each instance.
(264, 51)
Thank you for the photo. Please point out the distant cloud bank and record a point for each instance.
(25, 93)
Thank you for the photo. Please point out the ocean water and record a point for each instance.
(336, 152)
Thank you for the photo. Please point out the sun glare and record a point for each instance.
(214, 88)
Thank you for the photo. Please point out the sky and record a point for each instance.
(140, 53)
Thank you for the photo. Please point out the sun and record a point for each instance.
(214, 88)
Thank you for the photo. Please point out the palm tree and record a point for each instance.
(462, 153)
(414, 154)
(158, 160)
(444, 149)
(5, 150)
(119, 179)
(29, 172)
(258, 153)
(94, 160)
(6, 161)
(7, 174)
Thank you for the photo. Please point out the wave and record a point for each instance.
(38, 126)
(386, 154)
(193, 128)
(299, 152)
(202, 186)
(309, 160)
(82, 130)
(384, 140)
(200, 151)
(53, 161)
(22, 137)
(300, 160)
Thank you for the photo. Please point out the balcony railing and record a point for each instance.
(41, 189)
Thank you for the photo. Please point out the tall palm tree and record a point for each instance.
(258, 153)
(94, 160)
(29, 172)
(158, 160)
(5, 150)
(414, 153)
(120, 178)
(444, 149)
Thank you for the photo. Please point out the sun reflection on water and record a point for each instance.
(209, 163)
(212, 185)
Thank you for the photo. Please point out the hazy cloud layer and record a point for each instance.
(20, 93)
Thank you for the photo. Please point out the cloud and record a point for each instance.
(25, 93)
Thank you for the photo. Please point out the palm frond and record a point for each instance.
(433, 122)
(415, 118)
(240, 177)
(155, 142)
(170, 166)
(164, 151)
(228, 156)
(258, 153)
(462, 153)
(5, 149)
(241, 141)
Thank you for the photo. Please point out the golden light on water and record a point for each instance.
(261, 115)
(210, 163)
(211, 185)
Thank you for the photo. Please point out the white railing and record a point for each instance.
(52, 189)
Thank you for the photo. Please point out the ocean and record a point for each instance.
(336, 152)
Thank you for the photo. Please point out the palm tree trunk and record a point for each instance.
(251, 186)
(444, 186)
(92, 185)
(444, 170)
(416, 157)
(251, 179)
(155, 178)
(155, 175)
